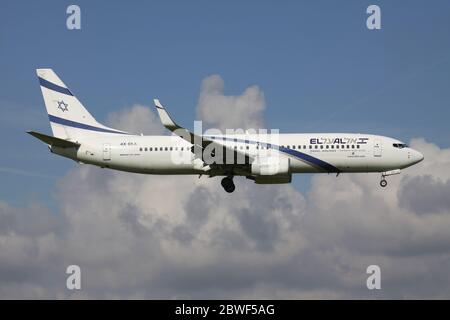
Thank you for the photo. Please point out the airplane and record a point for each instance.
(263, 158)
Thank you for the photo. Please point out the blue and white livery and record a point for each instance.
(264, 158)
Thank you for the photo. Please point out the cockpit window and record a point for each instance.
(400, 145)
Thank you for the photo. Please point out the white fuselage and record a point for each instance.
(307, 153)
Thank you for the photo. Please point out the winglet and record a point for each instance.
(165, 117)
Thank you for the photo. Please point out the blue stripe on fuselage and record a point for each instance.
(303, 156)
(79, 125)
(324, 165)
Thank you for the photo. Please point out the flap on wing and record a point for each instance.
(53, 141)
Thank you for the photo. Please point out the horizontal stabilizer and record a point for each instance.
(53, 141)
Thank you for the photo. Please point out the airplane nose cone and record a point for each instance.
(416, 156)
(421, 157)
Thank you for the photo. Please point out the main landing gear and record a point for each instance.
(228, 184)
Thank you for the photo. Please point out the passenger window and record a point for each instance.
(170, 149)
(321, 146)
(348, 146)
(353, 146)
(327, 146)
(357, 146)
(146, 149)
(160, 148)
(140, 149)
(315, 147)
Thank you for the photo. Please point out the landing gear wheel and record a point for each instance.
(228, 184)
(383, 183)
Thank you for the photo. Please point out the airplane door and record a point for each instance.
(106, 152)
(377, 148)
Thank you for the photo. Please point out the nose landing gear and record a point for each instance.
(383, 182)
(228, 184)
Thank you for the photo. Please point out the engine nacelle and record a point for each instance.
(270, 166)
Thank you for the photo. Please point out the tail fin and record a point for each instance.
(69, 119)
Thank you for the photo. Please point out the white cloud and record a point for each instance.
(137, 236)
(222, 111)
(137, 119)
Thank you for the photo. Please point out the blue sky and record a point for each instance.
(318, 65)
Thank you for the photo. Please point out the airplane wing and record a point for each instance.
(199, 142)
(53, 141)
